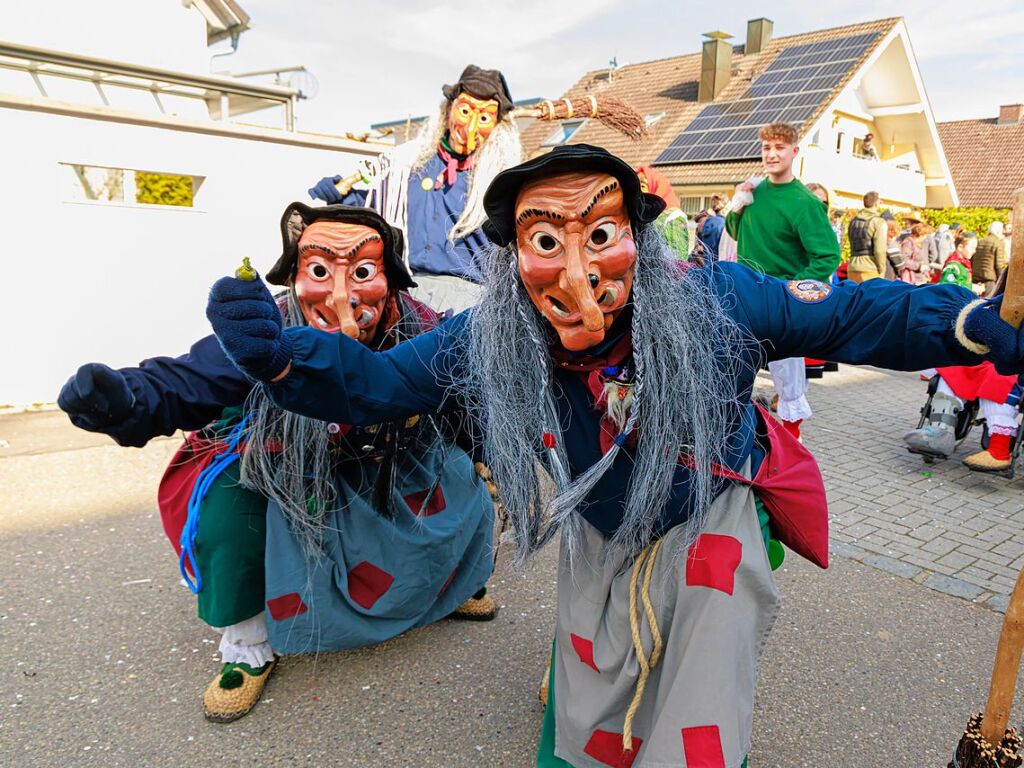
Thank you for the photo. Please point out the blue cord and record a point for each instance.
(203, 484)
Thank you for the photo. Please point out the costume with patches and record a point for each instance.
(665, 590)
(322, 536)
(432, 187)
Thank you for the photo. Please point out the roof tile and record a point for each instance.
(986, 160)
(670, 85)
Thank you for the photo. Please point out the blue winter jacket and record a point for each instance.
(888, 324)
(431, 215)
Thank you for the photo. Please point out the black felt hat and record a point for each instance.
(483, 84)
(298, 216)
(500, 197)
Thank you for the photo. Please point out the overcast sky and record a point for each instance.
(383, 61)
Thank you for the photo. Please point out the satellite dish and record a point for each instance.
(305, 83)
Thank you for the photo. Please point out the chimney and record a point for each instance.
(759, 34)
(715, 65)
(1010, 114)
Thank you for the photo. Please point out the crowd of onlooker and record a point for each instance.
(905, 247)
(883, 245)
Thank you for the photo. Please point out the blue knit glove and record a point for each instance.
(984, 326)
(96, 397)
(326, 191)
(248, 325)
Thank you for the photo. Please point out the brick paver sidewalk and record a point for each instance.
(943, 526)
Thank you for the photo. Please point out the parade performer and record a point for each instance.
(432, 188)
(323, 536)
(957, 267)
(627, 377)
(784, 233)
(672, 224)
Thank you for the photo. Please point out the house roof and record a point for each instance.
(670, 85)
(986, 160)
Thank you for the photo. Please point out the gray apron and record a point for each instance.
(714, 606)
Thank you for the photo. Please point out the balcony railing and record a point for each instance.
(223, 97)
(857, 175)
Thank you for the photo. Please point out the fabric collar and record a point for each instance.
(453, 163)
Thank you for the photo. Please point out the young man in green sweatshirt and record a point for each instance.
(785, 233)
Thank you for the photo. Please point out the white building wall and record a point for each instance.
(117, 283)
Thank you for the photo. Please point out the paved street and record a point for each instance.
(942, 525)
(102, 661)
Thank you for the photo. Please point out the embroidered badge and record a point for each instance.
(809, 291)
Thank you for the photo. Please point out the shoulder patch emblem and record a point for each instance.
(809, 291)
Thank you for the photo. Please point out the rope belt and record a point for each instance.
(647, 663)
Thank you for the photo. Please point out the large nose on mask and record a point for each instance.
(472, 133)
(344, 307)
(579, 280)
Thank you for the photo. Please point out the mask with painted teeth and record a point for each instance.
(576, 253)
(340, 284)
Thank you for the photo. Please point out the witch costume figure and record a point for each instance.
(594, 356)
(300, 535)
(432, 188)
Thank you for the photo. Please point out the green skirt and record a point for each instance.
(229, 550)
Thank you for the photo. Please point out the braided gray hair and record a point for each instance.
(687, 355)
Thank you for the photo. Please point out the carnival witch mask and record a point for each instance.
(572, 215)
(343, 263)
(470, 122)
(576, 253)
(479, 100)
(340, 283)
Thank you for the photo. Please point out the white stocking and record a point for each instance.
(246, 642)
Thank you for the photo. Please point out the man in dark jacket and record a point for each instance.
(868, 239)
(990, 258)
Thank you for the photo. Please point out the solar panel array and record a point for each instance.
(790, 90)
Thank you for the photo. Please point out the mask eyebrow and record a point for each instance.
(537, 213)
(318, 247)
(608, 189)
(355, 250)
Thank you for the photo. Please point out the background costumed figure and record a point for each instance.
(432, 188)
(672, 224)
(596, 358)
(395, 509)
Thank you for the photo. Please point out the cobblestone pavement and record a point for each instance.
(941, 525)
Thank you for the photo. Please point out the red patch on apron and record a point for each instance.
(584, 650)
(286, 606)
(435, 505)
(367, 583)
(448, 581)
(606, 747)
(712, 562)
(703, 747)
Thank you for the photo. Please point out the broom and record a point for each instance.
(987, 742)
(607, 110)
